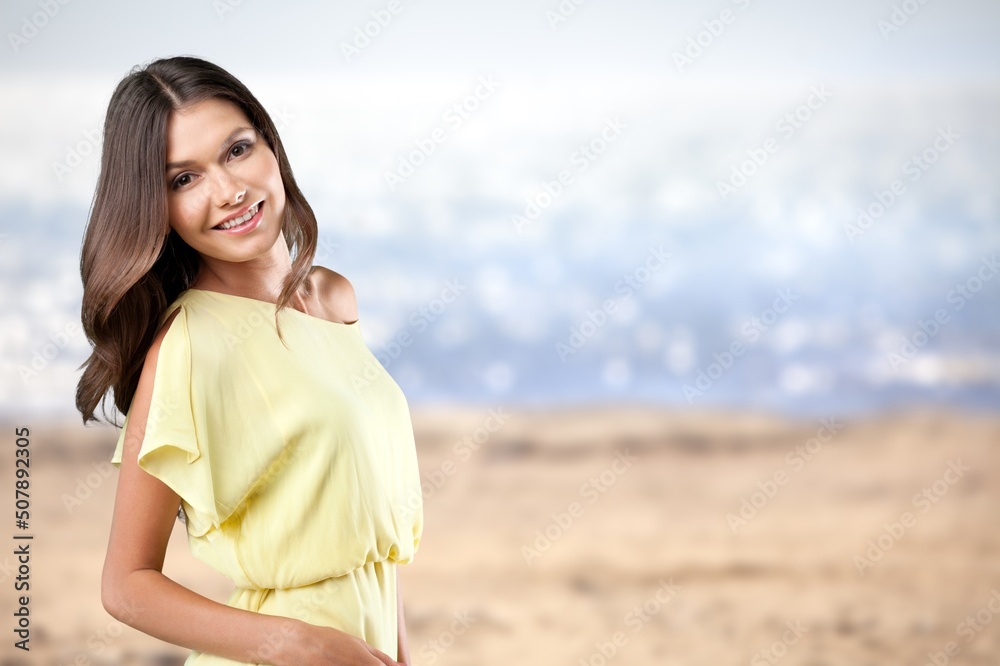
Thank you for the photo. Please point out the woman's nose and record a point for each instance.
(228, 190)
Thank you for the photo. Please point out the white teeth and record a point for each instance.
(239, 220)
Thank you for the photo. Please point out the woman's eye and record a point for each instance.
(181, 180)
(240, 148)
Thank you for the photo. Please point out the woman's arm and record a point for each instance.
(403, 655)
(150, 602)
(160, 607)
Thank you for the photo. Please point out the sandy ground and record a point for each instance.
(615, 535)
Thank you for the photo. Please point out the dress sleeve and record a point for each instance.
(171, 450)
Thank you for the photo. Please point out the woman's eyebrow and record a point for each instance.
(175, 165)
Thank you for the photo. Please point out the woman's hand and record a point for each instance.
(312, 645)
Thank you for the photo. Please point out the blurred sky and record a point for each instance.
(879, 96)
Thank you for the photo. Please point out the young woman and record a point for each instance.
(254, 410)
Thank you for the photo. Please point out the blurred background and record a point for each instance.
(753, 244)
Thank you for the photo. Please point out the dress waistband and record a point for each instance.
(250, 586)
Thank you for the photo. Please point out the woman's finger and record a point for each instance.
(383, 657)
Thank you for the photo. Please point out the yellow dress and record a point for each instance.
(296, 467)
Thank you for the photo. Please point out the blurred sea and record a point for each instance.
(853, 298)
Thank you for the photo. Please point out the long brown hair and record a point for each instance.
(132, 263)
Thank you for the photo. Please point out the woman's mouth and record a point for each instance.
(242, 225)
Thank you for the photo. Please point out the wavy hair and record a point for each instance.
(133, 264)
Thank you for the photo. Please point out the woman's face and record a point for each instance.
(219, 169)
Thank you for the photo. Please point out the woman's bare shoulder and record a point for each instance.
(335, 294)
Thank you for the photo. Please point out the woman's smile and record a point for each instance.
(245, 223)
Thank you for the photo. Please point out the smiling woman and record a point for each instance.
(294, 480)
